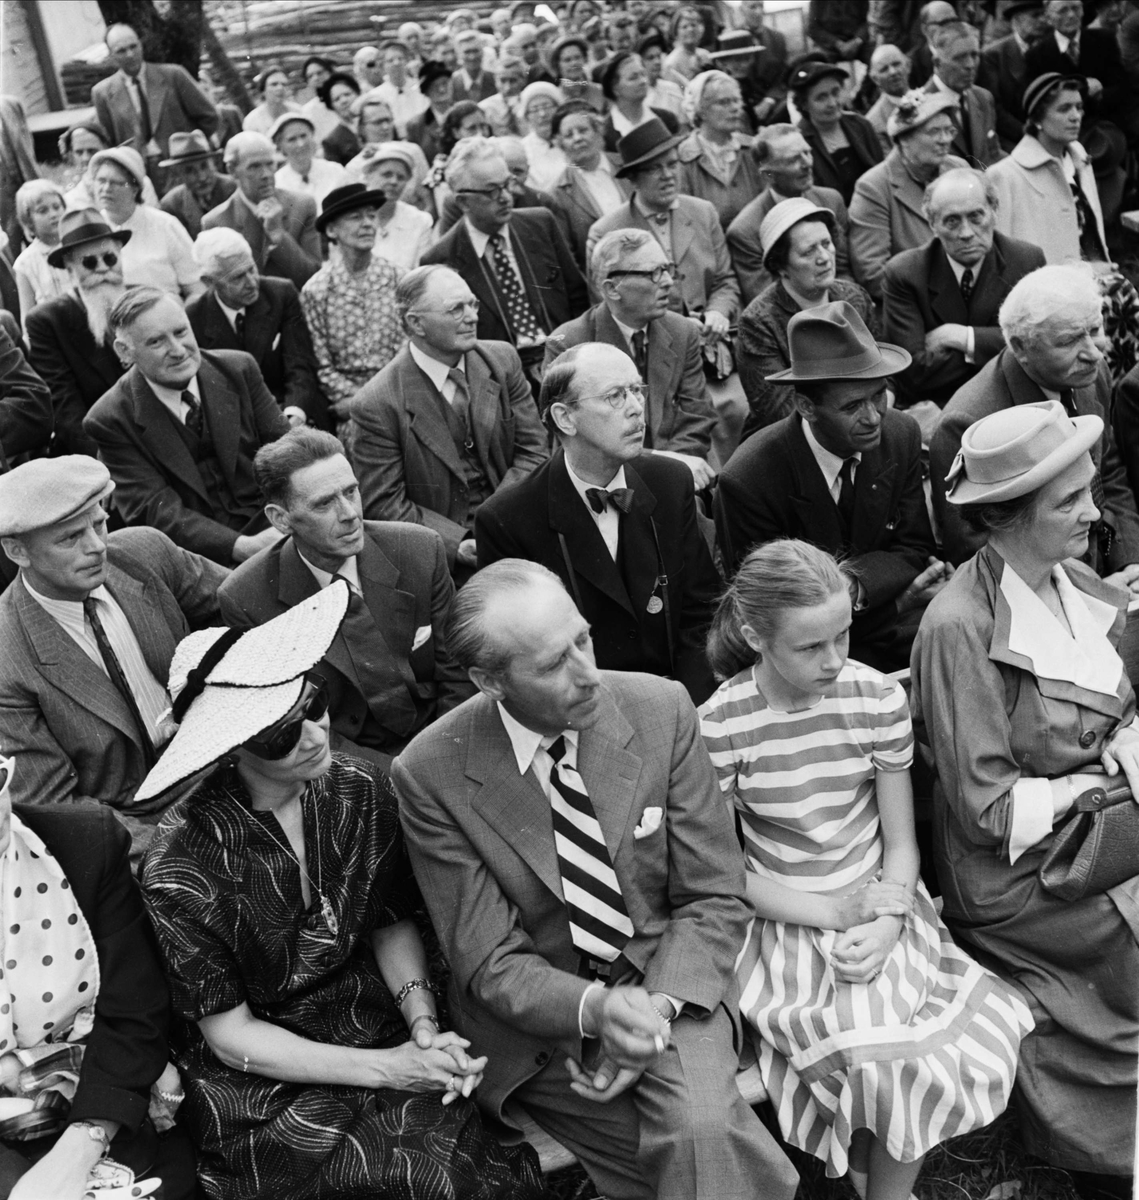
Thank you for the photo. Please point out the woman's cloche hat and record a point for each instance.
(1017, 450)
(832, 342)
(786, 215)
(229, 685)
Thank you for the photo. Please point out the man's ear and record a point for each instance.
(279, 519)
(564, 418)
(487, 683)
(124, 351)
(804, 406)
(14, 548)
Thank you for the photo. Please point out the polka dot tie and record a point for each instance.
(518, 310)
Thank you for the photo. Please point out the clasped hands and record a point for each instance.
(1121, 753)
(871, 920)
(632, 1036)
(437, 1061)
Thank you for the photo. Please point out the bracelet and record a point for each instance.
(425, 1017)
(95, 1132)
(173, 1097)
(412, 985)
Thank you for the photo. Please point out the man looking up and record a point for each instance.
(199, 186)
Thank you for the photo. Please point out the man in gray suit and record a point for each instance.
(597, 975)
(956, 50)
(87, 632)
(280, 226)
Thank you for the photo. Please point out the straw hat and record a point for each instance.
(287, 118)
(916, 108)
(832, 342)
(1017, 450)
(239, 683)
(786, 215)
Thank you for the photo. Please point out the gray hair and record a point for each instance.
(466, 153)
(761, 149)
(945, 35)
(957, 174)
(613, 248)
(132, 304)
(508, 59)
(245, 141)
(1067, 289)
(213, 246)
(467, 636)
(413, 287)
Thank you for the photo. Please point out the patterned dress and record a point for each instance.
(225, 900)
(928, 1049)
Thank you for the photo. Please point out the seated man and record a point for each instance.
(69, 336)
(279, 226)
(618, 527)
(599, 969)
(502, 107)
(388, 672)
(25, 404)
(87, 633)
(634, 279)
(1053, 328)
(890, 73)
(241, 310)
(784, 160)
(956, 48)
(844, 472)
(180, 429)
(1004, 70)
(941, 300)
(447, 422)
(199, 187)
(517, 264)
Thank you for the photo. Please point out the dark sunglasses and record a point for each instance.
(91, 261)
(281, 738)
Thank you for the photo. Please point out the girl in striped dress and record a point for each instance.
(877, 1037)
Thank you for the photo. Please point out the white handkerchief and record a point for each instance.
(650, 822)
(276, 342)
(421, 635)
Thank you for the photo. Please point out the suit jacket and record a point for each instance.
(297, 256)
(886, 218)
(1004, 72)
(772, 487)
(277, 336)
(863, 142)
(404, 454)
(175, 102)
(60, 716)
(553, 283)
(1098, 58)
(679, 414)
(922, 293)
(180, 202)
(482, 847)
(484, 88)
(76, 370)
(747, 251)
(705, 278)
(660, 536)
(25, 404)
(1001, 383)
(157, 481)
(425, 131)
(408, 591)
(976, 136)
(575, 200)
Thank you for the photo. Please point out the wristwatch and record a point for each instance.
(95, 1132)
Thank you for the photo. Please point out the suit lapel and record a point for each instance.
(577, 194)
(379, 581)
(219, 331)
(156, 429)
(945, 298)
(297, 583)
(156, 94)
(906, 191)
(222, 406)
(873, 487)
(991, 286)
(812, 498)
(610, 773)
(140, 604)
(639, 543)
(485, 393)
(683, 234)
(662, 375)
(426, 421)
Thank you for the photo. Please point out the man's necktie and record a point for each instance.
(146, 130)
(620, 498)
(194, 412)
(846, 494)
(659, 218)
(967, 283)
(461, 404)
(639, 353)
(1074, 51)
(598, 919)
(518, 308)
(239, 328)
(117, 677)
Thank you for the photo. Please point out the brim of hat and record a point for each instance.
(894, 359)
(655, 153)
(739, 52)
(197, 156)
(374, 198)
(1089, 430)
(55, 258)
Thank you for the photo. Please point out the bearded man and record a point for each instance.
(70, 335)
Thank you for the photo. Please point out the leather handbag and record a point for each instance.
(1096, 847)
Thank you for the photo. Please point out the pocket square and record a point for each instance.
(276, 342)
(421, 636)
(650, 822)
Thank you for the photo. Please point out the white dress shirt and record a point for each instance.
(438, 372)
(323, 176)
(230, 314)
(171, 398)
(348, 569)
(151, 148)
(830, 464)
(609, 521)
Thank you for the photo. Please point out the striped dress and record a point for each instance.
(928, 1049)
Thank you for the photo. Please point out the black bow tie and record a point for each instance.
(620, 498)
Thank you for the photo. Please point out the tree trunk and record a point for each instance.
(222, 70)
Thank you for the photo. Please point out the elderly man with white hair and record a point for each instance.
(1053, 328)
(242, 310)
(279, 225)
(523, 41)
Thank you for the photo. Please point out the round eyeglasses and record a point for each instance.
(616, 396)
(656, 274)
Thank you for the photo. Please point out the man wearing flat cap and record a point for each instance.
(87, 632)
(842, 471)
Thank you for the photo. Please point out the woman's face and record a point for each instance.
(539, 113)
(114, 189)
(807, 650)
(377, 124)
(341, 96)
(1061, 517)
(84, 146)
(653, 58)
(1063, 116)
(929, 145)
(811, 258)
(571, 63)
(310, 759)
(632, 82)
(722, 108)
(45, 215)
(439, 94)
(689, 31)
(473, 125)
(390, 177)
(580, 142)
(316, 75)
(824, 102)
(277, 88)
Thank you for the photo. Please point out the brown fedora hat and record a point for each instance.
(81, 226)
(187, 148)
(832, 342)
(641, 145)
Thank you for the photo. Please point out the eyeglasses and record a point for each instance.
(283, 736)
(91, 261)
(494, 192)
(103, 181)
(456, 312)
(616, 396)
(656, 274)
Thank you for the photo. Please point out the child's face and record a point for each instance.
(807, 651)
(46, 213)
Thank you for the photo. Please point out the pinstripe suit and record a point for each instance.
(61, 717)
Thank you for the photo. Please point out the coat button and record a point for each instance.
(1087, 738)
(541, 1059)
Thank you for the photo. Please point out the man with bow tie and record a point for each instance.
(619, 527)
(581, 868)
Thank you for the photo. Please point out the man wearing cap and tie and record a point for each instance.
(843, 472)
(619, 527)
(199, 185)
(87, 633)
(579, 862)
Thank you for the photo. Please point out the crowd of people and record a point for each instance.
(657, 509)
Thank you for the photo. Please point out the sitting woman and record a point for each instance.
(275, 91)
(625, 83)
(314, 1064)
(85, 1042)
(39, 207)
(797, 240)
(877, 1037)
(569, 62)
(339, 92)
(537, 104)
(465, 119)
(588, 188)
(666, 87)
(404, 232)
(1025, 702)
(77, 146)
(376, 126)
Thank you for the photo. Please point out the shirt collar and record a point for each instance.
(580, 486)
(348, 569)
(830, 464)
(480, 240)
(942, 86)
(526, 742)
(172, 397)
(628, 331)
(230, 313)
(435, 370)
(959, 269)
(65, 608)
(1064, 42)
(645, 212)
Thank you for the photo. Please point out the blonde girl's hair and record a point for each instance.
(772, 578)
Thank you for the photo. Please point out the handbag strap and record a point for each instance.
(1097, 798)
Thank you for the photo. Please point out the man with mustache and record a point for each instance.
(69, 336)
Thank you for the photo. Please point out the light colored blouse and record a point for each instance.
(547, 162)
(160, 252)
(35, 276)
(406, 237)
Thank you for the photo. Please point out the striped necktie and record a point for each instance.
(118, 678)
(598, 920)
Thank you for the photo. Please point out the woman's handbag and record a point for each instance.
(1096, 847)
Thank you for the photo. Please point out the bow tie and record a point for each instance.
(620, 498)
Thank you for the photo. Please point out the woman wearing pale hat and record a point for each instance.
(313, 1064)
(77, 146)
(404, 233)
(294, 135)
(537, 104)
(886, 213)
(1025, 703)
(797, 239)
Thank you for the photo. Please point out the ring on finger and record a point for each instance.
(454, 1084)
